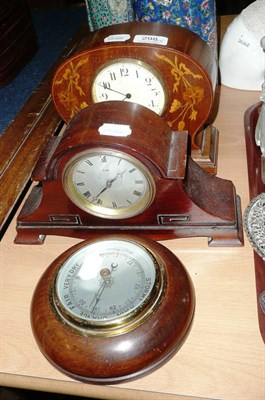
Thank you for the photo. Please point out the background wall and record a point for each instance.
(224, 7)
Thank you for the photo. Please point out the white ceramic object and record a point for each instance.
(242, 59)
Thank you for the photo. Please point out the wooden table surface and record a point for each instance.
(224, 355)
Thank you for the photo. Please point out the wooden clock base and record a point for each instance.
(214, 213)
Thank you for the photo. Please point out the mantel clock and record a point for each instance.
(163, 67)
(119, 167)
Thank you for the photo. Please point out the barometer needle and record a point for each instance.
(106, 274)
(98, 295)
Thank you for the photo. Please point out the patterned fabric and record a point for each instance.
(108, 12)
(196, 15)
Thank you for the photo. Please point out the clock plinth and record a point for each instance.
(186, 200)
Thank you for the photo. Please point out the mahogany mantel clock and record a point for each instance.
(119, 167)
(112, 309)
(166, 68)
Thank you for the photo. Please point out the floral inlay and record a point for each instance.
(184, 104)
(71, 93)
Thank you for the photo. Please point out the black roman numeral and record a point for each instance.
(103, 159)
(87, 194)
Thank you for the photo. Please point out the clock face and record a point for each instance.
(130, 80)
(107, 284)
(109, 184)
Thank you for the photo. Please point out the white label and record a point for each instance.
(117, 38)
(162, 40)
(115, 130)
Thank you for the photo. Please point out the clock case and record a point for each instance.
(189, 202)
(185, 62)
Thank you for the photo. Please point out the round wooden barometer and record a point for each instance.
(112, 308)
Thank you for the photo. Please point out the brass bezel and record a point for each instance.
(103, 212)
(141, 63)
(121, 324)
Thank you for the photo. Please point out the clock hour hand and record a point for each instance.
(126, 96)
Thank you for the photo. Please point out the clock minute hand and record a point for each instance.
(126, 96)
(103, 190)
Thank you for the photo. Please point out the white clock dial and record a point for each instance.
(106, 283)
(109, 184)
(130, 80)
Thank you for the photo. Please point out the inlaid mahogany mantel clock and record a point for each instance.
(163, 67)
(119, 167)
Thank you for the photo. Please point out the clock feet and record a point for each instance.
(29, 238)
(235, 237)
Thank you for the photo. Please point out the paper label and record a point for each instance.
(115, 130)
(117, 38)
(151, 39)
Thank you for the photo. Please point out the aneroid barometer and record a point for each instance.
(119, 167)
(166, 68)
(112, 309)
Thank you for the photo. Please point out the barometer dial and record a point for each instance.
(108, 284)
